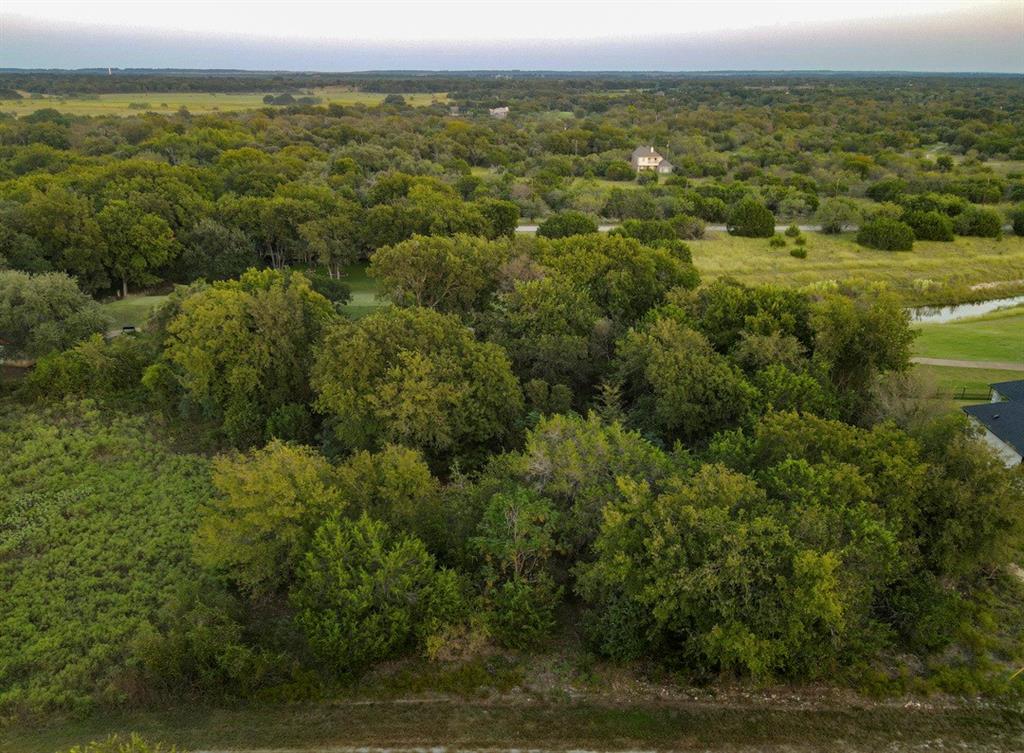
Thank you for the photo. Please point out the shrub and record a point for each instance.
(930, 226)
(793, 231)
(688, 227)
(886, 234)
(798, 253)
(751, 219)
(981, 222)
(837, 215)
(646, 231)
(564, 224)
(365, 593)
(619, 170)
(800, 240)
(1017, 219)
(777, 241)
(646, 177)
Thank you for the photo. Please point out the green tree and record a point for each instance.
(752, 219)
(565, 224)
(334, 240)
(242, 349)
(418, 378)
(268, 503)
(886, 234)
(516, 540)
(43, 313)
(624, 278)
(675, 384)
(137, 242)
(551, 331)
(454, 275)
(857, 338)
(837, 215)
(929, 226)
(982, 222)
(365, 593)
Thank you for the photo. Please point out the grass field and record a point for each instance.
(973, 384)
(998, 336)
(195, 102)
(539, 725)
(364, 291)
(966, 261)
(132, 310)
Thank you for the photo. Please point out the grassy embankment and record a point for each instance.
(195, 102)
(701, 725)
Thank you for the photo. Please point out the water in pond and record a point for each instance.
(943, 314)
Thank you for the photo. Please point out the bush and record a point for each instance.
(930, 226)
(1017, 219)
(886, 234)
(793, 231)
(646, 231)
(647, 177)
(798, 253)
(688, 227)
(837, 215)
(800, 240)
(751, 219)
(564, 224)
(366, 593)
(619, 170)
(981, 222)
(777, 241)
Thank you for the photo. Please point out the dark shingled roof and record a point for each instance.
(1010, 390)
(644, 151)
(1004, 419)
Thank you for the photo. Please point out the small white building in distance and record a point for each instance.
(498, 112)
(646, 158)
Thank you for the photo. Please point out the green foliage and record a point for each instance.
(137, 242)
(979, 221)
(268, 502)
(418, 378)
(565, 224)
(777, 241)
(1017, 219)
(98, 501)
(365, 593)
(837, 215)
(516, 541)
(798, 252)
(624, 278)
(675, 384)
(886, 234)
(930, 226)
(751, 219)
(43, 313)
(110, 370)
(241, 349)
(453, 275)
(552, 331)
(120, 744)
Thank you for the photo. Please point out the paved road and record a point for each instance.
(998, 365)
(714, 228)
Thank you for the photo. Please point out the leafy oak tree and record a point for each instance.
(416, 377)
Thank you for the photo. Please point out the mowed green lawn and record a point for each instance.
(970, 385)
(998, 336)
(195, 102)
(364, 291)
(966, 261)
(134, 309)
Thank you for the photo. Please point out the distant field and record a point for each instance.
(966, 261)
(195, 102)
(998, 336)
(132, 310)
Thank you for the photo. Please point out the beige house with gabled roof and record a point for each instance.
(647, 158)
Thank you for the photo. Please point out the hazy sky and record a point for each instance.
(503, 34)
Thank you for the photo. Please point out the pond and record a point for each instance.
(943, 314)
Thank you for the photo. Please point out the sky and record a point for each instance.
(516, 34)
